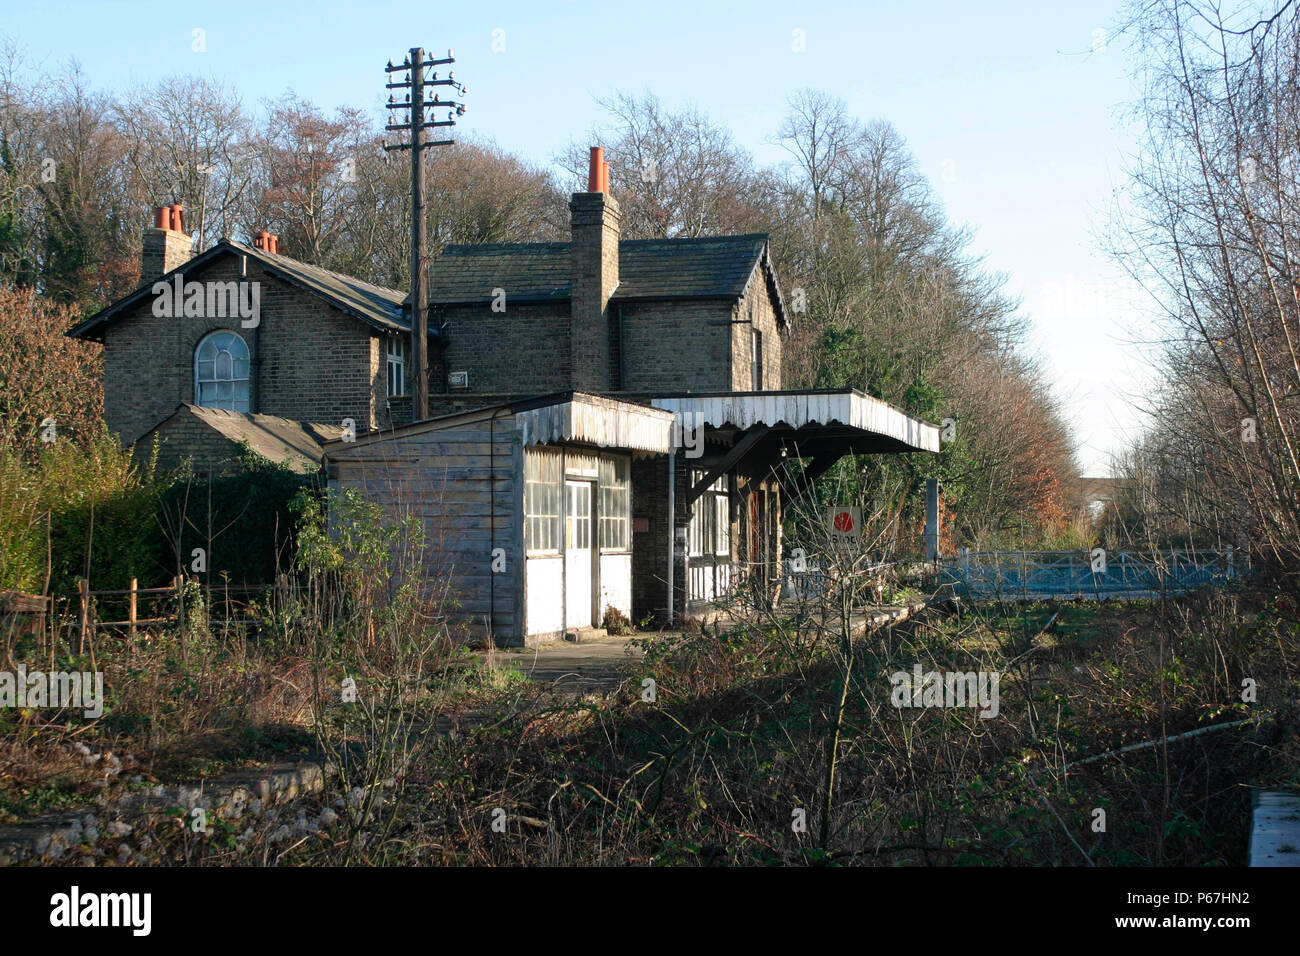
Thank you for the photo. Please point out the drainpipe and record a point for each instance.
(672, 531)
(492, 522)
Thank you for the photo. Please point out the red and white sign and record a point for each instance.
(846, 522)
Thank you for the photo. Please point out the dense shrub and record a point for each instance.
(102, 516)
(242, 520)
(44, 375)
(76, 505)
(91, 506)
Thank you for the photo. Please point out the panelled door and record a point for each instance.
(578, 549)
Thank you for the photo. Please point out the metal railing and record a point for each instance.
(1011, 575)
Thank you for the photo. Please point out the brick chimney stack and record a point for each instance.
(594, 219)
(166, 245)
(267, 242)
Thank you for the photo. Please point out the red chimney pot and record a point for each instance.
(595, 170)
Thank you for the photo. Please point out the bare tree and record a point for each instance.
(675, 174)
(189, 142)
(1211, 231)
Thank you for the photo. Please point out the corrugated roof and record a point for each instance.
(540, 419)
(802, 409)
(605, 422)
(648, 268)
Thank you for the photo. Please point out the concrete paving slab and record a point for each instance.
(1275, 839)
(583, 667)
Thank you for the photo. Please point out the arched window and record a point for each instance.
(221, 372)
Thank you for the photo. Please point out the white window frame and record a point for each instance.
(396, 364)
(241, 400)
(543, 502)
(615, 505)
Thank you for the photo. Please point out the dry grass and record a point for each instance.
(713, 770)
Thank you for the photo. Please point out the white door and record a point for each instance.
(577, 554)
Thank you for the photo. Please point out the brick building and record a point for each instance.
(608, 427)
(317, 349)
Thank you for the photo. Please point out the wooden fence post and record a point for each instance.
(57, 622)
(83, 620)
(179, 583)
(131, 615)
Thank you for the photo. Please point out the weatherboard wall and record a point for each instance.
(464, 483)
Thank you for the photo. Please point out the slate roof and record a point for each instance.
(282, 440)
(716, 266)
(708, 267)
(528, 271)
(375, 305)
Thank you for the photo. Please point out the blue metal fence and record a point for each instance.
(1019, 575)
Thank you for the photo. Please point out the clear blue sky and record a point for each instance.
(1010, 107)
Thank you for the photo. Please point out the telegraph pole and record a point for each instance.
(414, 103)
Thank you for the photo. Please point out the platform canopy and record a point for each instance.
(756, 431)
(606, 422)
